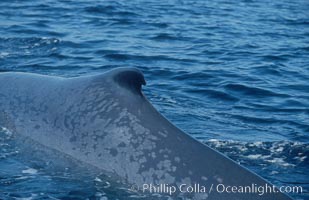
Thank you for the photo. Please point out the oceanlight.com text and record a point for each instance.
(219, 188)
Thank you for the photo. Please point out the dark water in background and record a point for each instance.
(232, 74)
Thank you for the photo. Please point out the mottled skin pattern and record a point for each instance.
(106, 121)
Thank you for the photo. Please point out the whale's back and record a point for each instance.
(106, 121)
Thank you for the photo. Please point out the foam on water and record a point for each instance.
(30, 171)
(273, 158)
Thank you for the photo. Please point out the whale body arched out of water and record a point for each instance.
(106, 121)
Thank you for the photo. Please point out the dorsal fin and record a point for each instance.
(130, 78)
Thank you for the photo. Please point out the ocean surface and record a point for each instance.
(233, 74)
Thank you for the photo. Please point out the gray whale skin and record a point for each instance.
(106, 121)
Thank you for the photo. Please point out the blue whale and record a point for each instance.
(106, 121)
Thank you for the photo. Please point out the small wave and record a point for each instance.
(25, 30)
(154, 58)
(269, 70)
(110, 11)
(219, 95)
(196, 77)
(156, 24)
(289, 107)
(168, 37)
(276, 57)
(252, 91)
(99, 9)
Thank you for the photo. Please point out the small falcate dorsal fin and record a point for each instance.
(129, 78)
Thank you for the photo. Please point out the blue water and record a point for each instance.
(233, 74)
